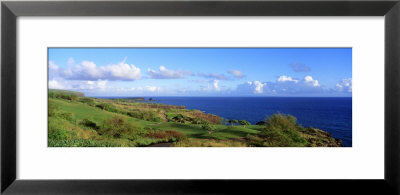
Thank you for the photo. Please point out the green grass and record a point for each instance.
(82, 123)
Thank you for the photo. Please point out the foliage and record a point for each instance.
(52, 108)
(63, 95)
(88, 123)
(209, 128)
(107, 107)
(81, 143)
(145, 115)
(89, 101)
(67, 116)
(110, 126)
(117, 127)
(233, 121)
(280, 130)
(244, 122)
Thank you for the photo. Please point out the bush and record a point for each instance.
(117, 127)
(89, 101)
(105, 106)
(88, 123)
(244, 122)
(280, 131)
(233, 121)
(209, 128)
(145, 115)
(67, 116)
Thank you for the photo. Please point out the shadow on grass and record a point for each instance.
(236, 132)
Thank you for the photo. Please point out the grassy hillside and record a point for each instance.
(75, 120)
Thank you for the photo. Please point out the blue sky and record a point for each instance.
(202, 71)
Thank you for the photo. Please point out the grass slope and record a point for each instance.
(91, 122)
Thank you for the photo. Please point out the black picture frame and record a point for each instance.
(11, 10)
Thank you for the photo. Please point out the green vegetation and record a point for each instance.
(78, 121)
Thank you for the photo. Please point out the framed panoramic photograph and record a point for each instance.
(200, 97)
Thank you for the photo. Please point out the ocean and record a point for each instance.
(331, 114)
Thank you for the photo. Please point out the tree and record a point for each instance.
(244, 123)
(233, 121)
(209, 127)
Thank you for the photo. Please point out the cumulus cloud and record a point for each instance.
(123, 71)
(285, 78)
(213, 76)
(215, 84)
(311, 81)
(284, 85)
(236, 73)
(251, 87)
(297, 67)
(54, 84)
(345, 85)
(87, 70)
(164, 73)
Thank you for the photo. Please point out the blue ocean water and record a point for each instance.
(331, 114)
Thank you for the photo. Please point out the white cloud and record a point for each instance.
(99, 85)
(259, 86)
(93, 85)
(215, 84)
(310, 80)
(53, 66)
(164, 73)
(284, 85)
(87, 70)
(285, 78)
(236, 73)
(345, 85)
(123, 71)
(53, 84)
(251, 87)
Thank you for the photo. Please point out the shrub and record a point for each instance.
(117, 127)
(145, 115)
(198, 121)
(109, 107)
(67, 116)
(179, 118)
(209, 128)
(88, 123)
(244, 122)
(233, 121)
(281, 130)
(89, 101)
